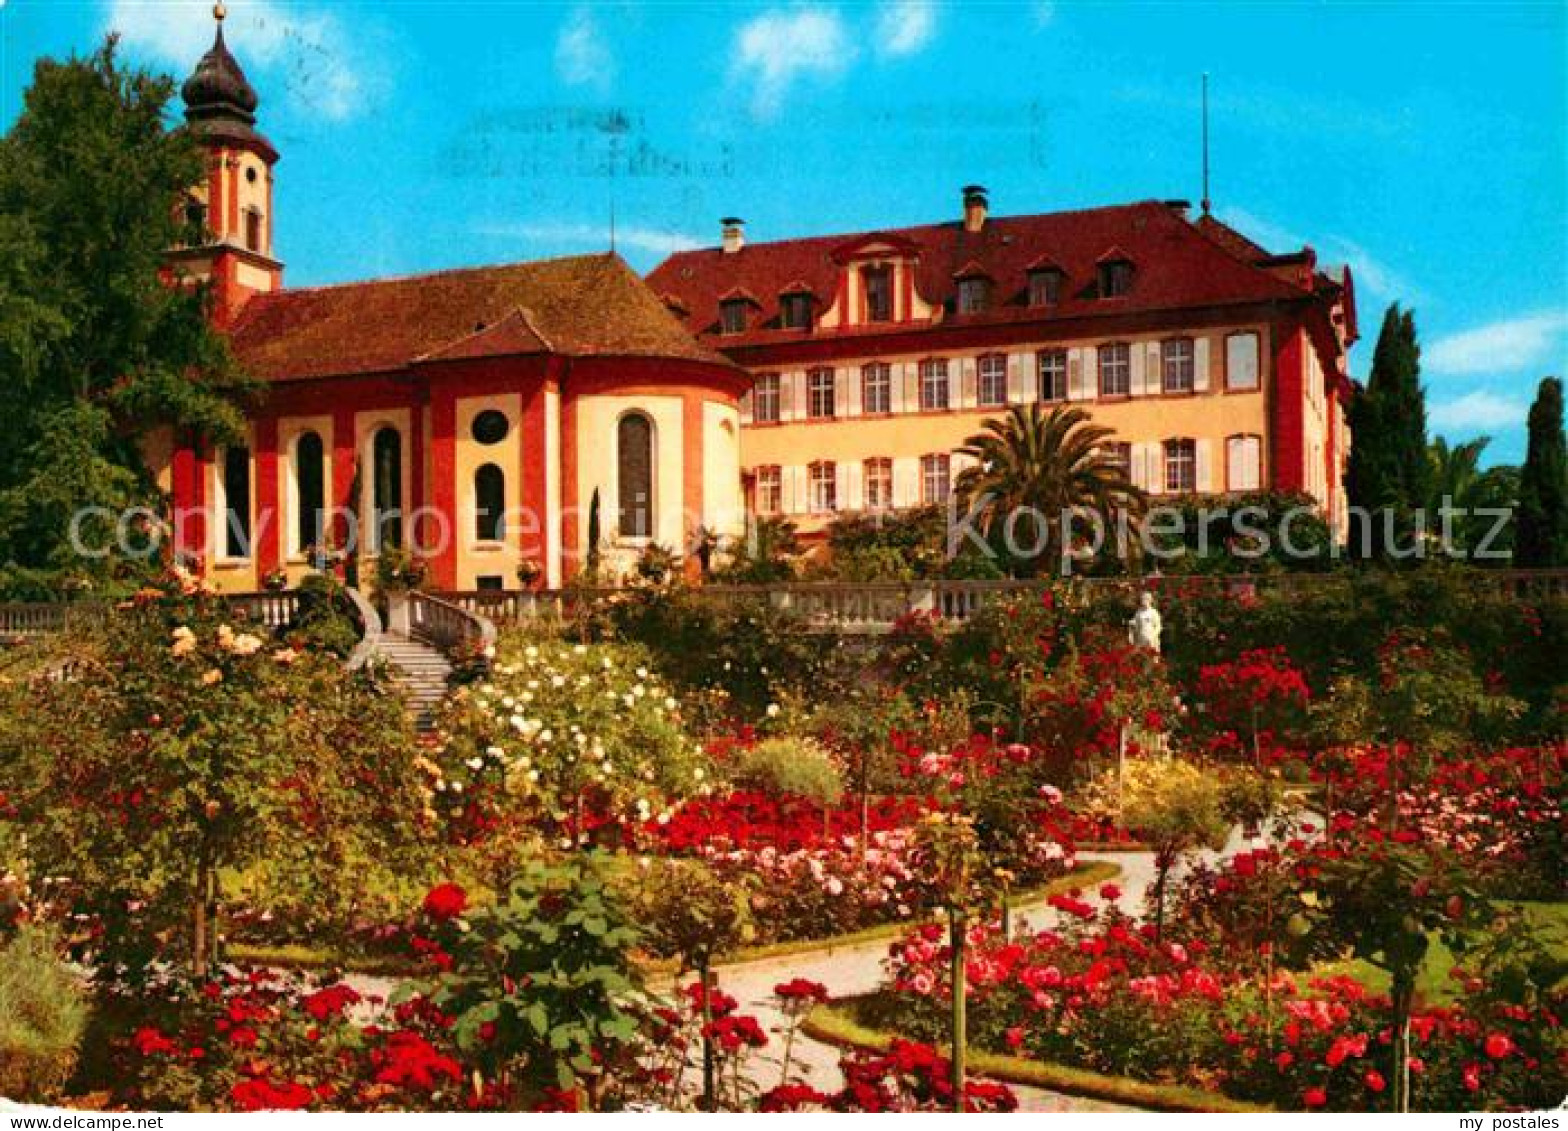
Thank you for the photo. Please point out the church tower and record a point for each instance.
(229, 217)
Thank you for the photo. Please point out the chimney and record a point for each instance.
(734, 229)
(975, 207)
(1182, 208)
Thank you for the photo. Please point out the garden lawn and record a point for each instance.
(1434, 985)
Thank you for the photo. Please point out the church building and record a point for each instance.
(487, 418)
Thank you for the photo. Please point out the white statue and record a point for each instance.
(1144, 628)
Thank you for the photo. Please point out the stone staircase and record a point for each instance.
(420, 672)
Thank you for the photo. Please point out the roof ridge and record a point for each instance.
(441, 273)
(849, 237)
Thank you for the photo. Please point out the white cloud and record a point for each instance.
(591, 237)
(782, 45)
(904, 27)
(1527, 342)
(582, 54)
(306, 51)
(1477, 412)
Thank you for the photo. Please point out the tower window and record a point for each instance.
(195, 223)
(253, 229)
(236, 502)
(879, 293)
(489, 503)
(634, 462)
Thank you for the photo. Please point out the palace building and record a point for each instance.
(489, 418)
(497, 420)
(874, 356)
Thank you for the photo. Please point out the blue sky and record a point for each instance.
(1427, 144)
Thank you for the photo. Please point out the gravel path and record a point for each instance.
(848, 971)
(855, 969)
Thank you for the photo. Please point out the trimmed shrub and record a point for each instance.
(791, 766)
(42, 1015)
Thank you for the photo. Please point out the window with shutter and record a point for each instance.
(876, 388)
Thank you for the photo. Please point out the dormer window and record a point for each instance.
(795, 311)
(879, 293)
(1045, 286)
(732, 316)
(974, 294)
(1115, 278)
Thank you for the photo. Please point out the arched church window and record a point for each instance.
(634, 461)
(236, 502)
(310, 489)
(489, 503)
(387, 488)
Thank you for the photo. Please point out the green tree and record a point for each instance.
(1459, 483)
(1042, 465)
(95, 348)
(1542, 535)
(1389, 466)
(169, 758)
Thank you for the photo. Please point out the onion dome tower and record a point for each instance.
(228, 219)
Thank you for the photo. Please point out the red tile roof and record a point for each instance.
(582, 306)
(1177, 264)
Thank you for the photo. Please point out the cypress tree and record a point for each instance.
(1389, 466)
(1541, 537)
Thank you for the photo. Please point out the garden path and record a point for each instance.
(857, 969)
(854, 969)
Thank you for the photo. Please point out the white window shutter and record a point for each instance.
(895, 387)
(800, 395)
(1138, 383)
(786, 397)
(906, 481)
(1251, 463)
(1204, 477)
(968, 381)
(1154, 468)
(745, 407)
(1200, 365)
(850, 379)
(1080, 373)
(841, 392)
(1017, 371)
(1136, 471)
(851, 491)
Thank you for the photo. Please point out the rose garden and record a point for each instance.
(1308, 856)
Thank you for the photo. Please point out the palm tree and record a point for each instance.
(1455, 471)
(1043, 466)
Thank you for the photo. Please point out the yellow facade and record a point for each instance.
(1212, 416)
